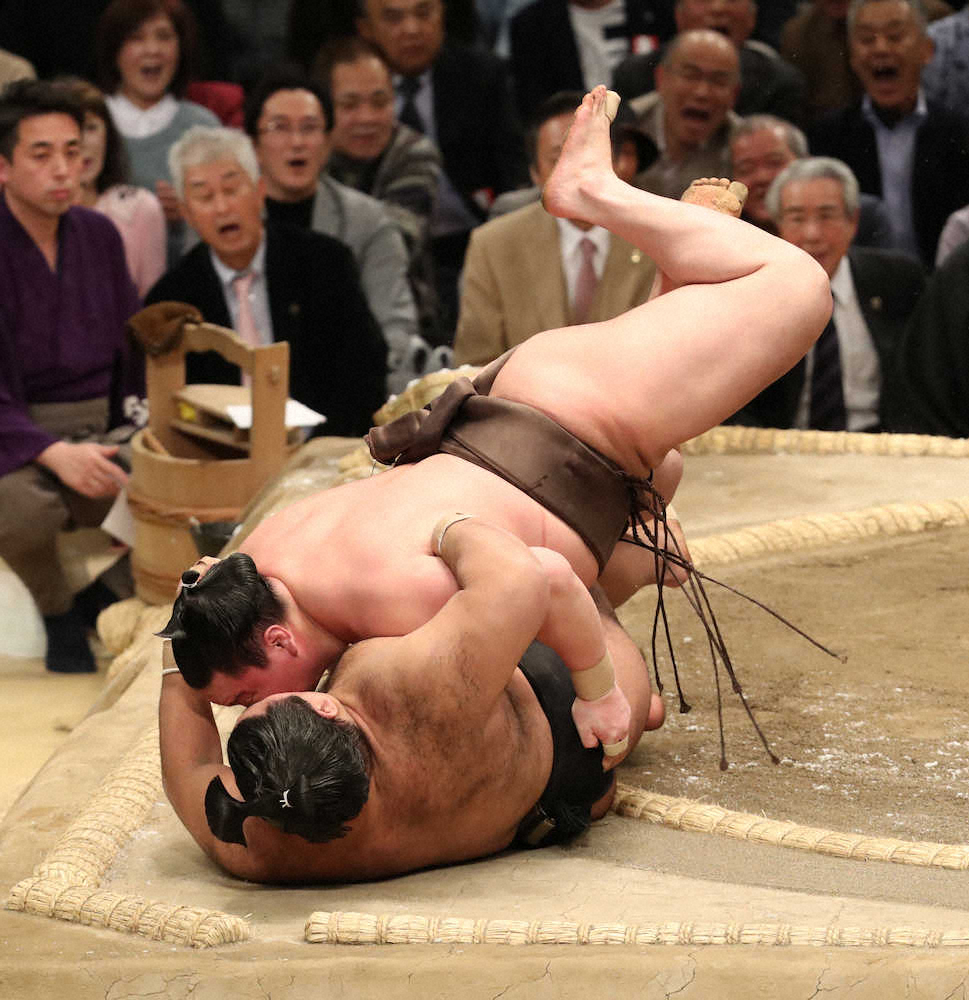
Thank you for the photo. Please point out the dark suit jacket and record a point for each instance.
(940, 176)
(545, 57)
(768, 84)
(477, 130)
(888, 284)
(934, 353)
(338, 359)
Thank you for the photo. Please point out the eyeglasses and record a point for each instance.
(279, 129)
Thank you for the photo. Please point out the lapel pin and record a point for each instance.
(876, 302)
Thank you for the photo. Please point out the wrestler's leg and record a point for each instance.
(635, 386)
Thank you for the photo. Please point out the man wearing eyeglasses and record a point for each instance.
(271, 282)
(289, 118)
(690, 115)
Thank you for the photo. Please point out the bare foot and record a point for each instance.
(585, 164)
(719, 193)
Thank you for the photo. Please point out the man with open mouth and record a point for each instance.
(900, 146)
(690, 114)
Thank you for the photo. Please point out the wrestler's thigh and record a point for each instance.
(582, 378)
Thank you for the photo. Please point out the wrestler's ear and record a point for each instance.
(325, 705)
(279, 637)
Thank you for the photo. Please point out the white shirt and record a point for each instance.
(258, 292)
(600, 37)
(570, 237)
(140, 123)
(860, 370)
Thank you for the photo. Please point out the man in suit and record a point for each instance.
(270, 282)
(474, 125)
(934, 353)
(761, 147)
(847, 380)
(581, 42)
(527, 271)
(288, 117)
(690, 114)
(911, 153)
(768, 83)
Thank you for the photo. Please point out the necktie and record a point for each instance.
(827, 412)
(246, 322)
(585, 286)
(409, 115)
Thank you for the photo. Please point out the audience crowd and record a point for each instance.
(361, 179)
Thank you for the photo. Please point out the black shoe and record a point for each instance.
(67, 648)
(92, 600)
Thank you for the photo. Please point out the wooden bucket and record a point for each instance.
(177, 475)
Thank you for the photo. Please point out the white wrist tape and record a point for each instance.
(598, 680)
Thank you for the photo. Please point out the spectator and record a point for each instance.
(690, 114)
(474, 127)
(934, 353)
(145, 51)
(374, 153)
(287, 117)
(68, 373)
(527, 271)
(946, 78)
(914, 155)
(768, 84)
(271, 283)
(137, 213)
(581, 42)
(815, 40)
(846, 382)
(59, 36)
(761, 147)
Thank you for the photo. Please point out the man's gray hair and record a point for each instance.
(813, 168)
(794, 138)
(206, 144)
(916, 6)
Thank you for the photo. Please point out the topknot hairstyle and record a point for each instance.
(217, 621)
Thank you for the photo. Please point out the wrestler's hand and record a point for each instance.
(605, 721)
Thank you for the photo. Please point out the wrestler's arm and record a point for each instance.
(191, 756)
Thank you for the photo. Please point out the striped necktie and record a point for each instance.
(827, 411)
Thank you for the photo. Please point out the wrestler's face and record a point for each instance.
(813, 216)
(888, 50)
(757, 159)
(322, 703)
(291, 144)
(223, 204)
(363, 107)
(41, 177)
(409, 33)
(254, 684)
(698, 87)
(733, 18)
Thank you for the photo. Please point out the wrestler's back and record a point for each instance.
(351, 554)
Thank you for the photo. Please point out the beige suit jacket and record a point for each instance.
(513, 285)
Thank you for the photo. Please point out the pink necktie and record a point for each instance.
(246, 323)
(585, 286)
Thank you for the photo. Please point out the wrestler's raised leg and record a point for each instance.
(750, 305)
